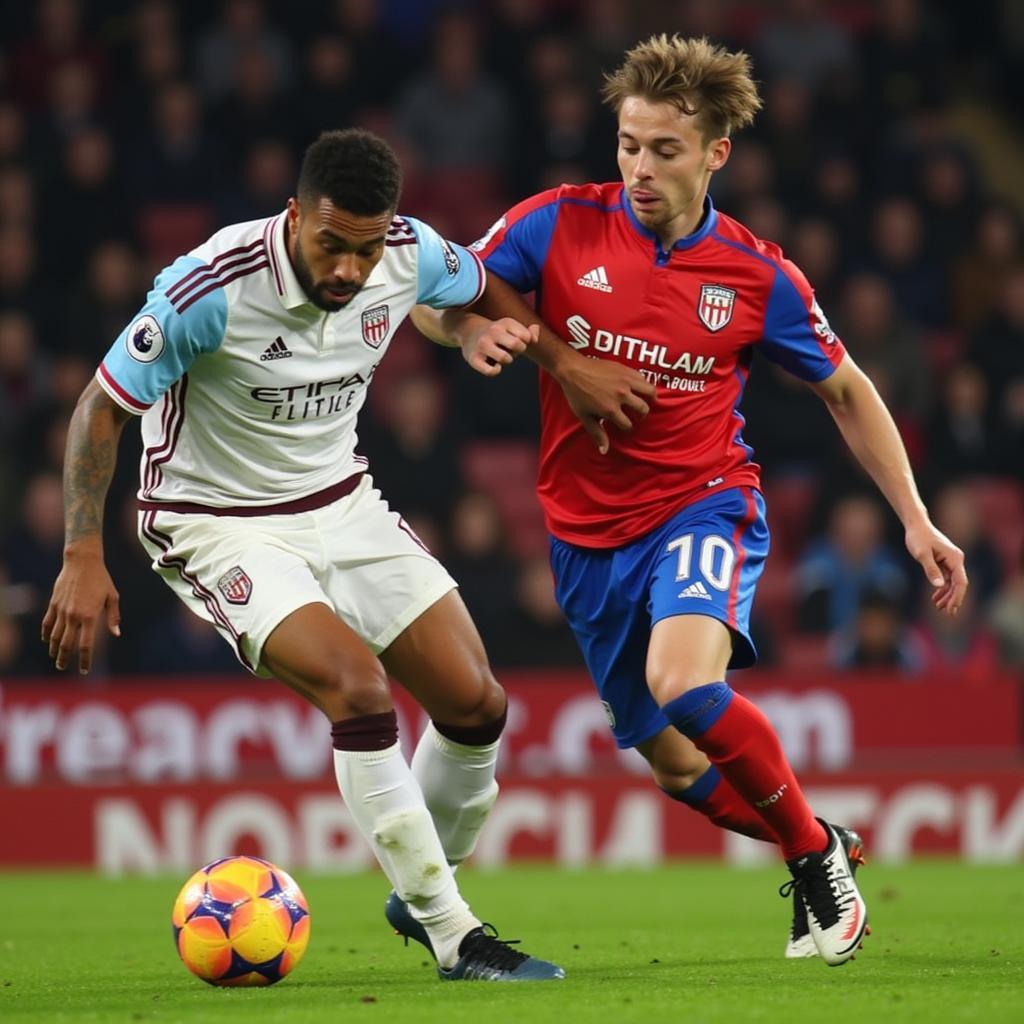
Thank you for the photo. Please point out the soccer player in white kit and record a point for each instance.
(249, 363)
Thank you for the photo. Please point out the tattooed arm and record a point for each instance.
(84, 589)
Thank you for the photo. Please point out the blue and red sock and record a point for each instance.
(742, 744)
(713, 797)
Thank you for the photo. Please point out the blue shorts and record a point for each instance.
(705, 560)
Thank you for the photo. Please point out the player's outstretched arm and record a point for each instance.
(869, 430)
(84, 590)
(598, 391)
(491, 335)
(487, 345)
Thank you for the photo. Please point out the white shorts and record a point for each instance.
(247, 574)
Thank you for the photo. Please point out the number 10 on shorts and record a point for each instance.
(715, 561)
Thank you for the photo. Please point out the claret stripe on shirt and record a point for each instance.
(129, 400)
(268, 244)
(178, 289)
(215, 275)
(222, 280)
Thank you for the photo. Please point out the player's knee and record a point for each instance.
(672, 780)
(351, 684)
(491, 700)
(678, 768)
(478, 700)
(675, 680)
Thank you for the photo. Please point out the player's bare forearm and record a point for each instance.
(461, 328)
(429, 323)
(597, 390)
(869, 430)
(89, 462)
(487, 345)
(84, 590)
(456, 328)
(550, 352)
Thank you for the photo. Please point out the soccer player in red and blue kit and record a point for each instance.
(652, 304)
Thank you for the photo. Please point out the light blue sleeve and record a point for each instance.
(180, 320)
(449, 275)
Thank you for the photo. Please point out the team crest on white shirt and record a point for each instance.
(376, 322)
(235, 585)
(715, 306)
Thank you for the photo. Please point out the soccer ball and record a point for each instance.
(240, 921)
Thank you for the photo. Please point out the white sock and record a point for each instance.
(387, 804)
(458, 787)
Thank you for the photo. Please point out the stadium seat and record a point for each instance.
(805, 655)
(464, 202)
(790, 501)
(507, 470)
(1000, 502)
(774, 601)
(167, 230)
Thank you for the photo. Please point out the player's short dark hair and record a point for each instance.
(355, 169)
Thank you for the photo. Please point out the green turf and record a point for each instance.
(687, 944)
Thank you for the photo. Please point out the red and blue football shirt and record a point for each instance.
(688, 318)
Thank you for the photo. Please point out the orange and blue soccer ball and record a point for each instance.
(240, 921)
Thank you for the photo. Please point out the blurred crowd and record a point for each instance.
(888, 162)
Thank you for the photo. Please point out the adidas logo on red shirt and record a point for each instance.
(597, 279)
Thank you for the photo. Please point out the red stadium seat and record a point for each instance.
(169, 229)
(463, 203)
(773, 604)
(1000, 502)
(790, 501)
(805, 655)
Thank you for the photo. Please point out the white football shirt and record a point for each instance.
(248, 392)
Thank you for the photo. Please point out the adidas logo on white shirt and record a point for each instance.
(277, 349)
(597, 279)
(696, 590)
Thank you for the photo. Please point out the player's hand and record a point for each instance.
(600, 392)
(82, 594)
(498, 345)
(943, 565)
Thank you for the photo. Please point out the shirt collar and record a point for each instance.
(289, 291)
(707, 225)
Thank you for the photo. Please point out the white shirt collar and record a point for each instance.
(286, 284)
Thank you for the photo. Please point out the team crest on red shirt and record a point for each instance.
(235, 585)
(715, 306)
(375, 325)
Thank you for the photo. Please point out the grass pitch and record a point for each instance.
(693, 943)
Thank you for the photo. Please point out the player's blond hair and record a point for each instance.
(700, 78)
